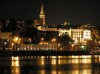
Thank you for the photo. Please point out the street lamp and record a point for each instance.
(42, 39)
(53, 40)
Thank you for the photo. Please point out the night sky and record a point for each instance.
(56, 11)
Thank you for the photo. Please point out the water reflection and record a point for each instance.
(81, 72)
(15, 61)
(15, 67)
(53, 61)
(50, 65)
(42, 61)
(42, 72)
(76, 60)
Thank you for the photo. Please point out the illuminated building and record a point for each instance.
(5, 35)
(40, 24)
(87, 34)
(4, 40)
(78, 35)
(50, 28)
(93, 29)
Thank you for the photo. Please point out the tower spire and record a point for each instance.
(42, 15)
(42, 10)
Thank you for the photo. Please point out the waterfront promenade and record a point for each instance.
(45, 53)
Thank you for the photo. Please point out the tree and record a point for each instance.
(32, 34)
(50, 35)
(65, 39)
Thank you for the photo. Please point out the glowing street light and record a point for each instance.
(42, 39)
(53, 40)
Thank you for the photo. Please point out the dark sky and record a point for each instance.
(56, 11)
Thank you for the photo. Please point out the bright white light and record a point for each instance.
(87, 34)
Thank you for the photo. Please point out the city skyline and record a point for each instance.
(56, 12)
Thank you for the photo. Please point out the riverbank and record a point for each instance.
(45, 53)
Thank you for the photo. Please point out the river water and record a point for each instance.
(50, 64)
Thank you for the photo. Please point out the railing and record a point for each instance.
(35, 47)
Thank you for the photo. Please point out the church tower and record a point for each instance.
(42, 16)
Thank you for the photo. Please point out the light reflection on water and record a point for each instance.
(51, 64)
(15, 61)
(15, 67)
